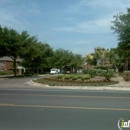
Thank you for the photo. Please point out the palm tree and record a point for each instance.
(115, 59)
(100, 54)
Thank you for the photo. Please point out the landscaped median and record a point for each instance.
(75, 80)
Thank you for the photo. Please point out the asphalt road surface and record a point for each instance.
(53, 109)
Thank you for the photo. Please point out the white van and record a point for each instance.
(54, 71)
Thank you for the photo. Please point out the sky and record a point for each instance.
(74, 25)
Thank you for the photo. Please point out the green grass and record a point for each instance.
(6, 72)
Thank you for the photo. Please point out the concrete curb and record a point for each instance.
(82, 87)
(38, 84)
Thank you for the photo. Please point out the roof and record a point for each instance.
(6, 58)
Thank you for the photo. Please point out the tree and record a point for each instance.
(37, 56)
(90, 59)
(121, 26)
(44, 54)
(100, 54)
(115, 58)
(76, 62)
(61, 58)
(64, 59)
(10, 44)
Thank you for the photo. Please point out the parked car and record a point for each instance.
(54, 71)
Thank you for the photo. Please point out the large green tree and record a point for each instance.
(77, 62)
(37, 56)
(10, 44)
(64, 59)
(61, 58)
(121, 26)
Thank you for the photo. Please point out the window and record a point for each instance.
(2, 63)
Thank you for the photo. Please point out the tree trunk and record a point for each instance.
(98, 62)
(126, 64)
(37, 70)
(116, 69)
(14, 67)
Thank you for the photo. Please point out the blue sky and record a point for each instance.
(75, 25)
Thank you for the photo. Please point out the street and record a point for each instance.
(53, 109)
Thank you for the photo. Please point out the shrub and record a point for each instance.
(87, 77)
(6, 72)
(92, 72)
(85, 71)
(126, 75)
(126, 72)
(97, 71)
(79, 77)
(108, 75)
(103, 67)
(102, 72)
(67, 77)
(74, 78)
(71, 76)
(59, 77)
(111, 70)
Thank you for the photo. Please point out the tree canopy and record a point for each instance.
(35, 55)
(121, 26)
(64, 58)
(10, 44)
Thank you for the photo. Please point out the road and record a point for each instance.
(53, 109)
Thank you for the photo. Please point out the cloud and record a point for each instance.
(112, 5)
(95, 16)
(92, 26)
(10, 20)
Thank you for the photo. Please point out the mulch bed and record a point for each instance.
(96, 81)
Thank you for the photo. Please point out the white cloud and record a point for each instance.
(114, 4)
(111, 5)
(9, 19)
(94, 26)
(102, 12)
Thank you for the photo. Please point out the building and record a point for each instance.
(6, 63)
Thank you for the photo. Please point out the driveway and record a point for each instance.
(17, 83)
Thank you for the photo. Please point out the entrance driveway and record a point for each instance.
(16, 83)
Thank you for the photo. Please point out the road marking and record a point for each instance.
(67, 96)
(65, 107)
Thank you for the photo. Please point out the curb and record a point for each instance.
(38, 84)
